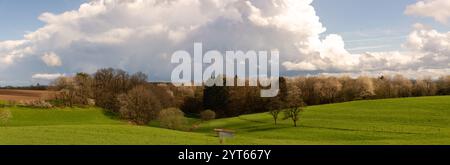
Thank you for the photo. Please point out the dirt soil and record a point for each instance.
(25, 95)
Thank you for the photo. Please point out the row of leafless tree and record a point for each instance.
(130, 97)
(233, 101)
(320, 90)
(133, 98)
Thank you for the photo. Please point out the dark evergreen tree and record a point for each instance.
(216, 98)
(283, 93)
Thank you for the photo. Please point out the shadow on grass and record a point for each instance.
(265, 126)
(358, 130)
(110, 115)
(249, 120)
(268, 128)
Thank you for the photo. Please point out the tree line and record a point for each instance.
(130, 97)
(133, 98)
(234, 101)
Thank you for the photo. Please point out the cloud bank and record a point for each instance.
(426, 48)
(51, 59)
(141, 35)
(437, 9)
(46, 76)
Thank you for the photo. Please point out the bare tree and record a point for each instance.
(365, 87)
(425, 87)
(66, 90)
(75, 90)
(443, 85)
(332, 88)
(402, 87)
(349, 92)
(110, 83)
(83, 88)
(275, 108)
(295, 107)
(139, 105)
(293, 113)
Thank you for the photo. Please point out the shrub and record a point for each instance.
(139, 105)
(208, 115)
(5, 116)
(90, 102)
(56, 103)
(37, 104)
(12, 103)
(172, 118)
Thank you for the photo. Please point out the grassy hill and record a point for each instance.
(86, 126)
(424, 120)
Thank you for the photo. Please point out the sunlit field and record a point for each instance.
(405, 121)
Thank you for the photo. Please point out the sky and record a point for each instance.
(41, 40)
(368, 25)
(21, 16)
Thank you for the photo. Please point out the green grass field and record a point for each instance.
(406, 121)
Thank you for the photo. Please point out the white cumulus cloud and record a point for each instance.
(51, 59)
(47, 76)
(140, 35)
(426, 48)
(437, 9)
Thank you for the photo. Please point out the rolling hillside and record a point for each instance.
(424, 120)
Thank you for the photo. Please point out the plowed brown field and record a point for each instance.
(24, 95)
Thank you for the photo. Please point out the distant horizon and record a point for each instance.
(289, 77)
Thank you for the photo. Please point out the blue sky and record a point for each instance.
(20, 16)
(379, 25)
(365, 25)
(141, 35)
